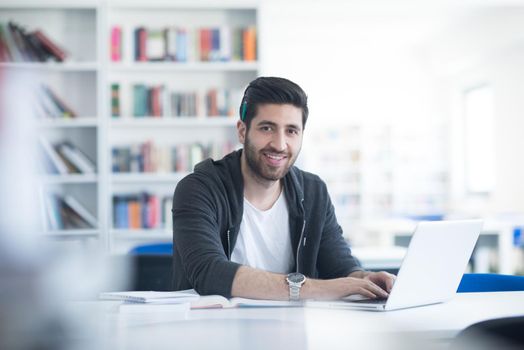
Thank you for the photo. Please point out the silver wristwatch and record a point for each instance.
(295, 280)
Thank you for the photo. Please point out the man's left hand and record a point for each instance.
(383, 279)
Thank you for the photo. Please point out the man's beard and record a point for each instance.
(262, 170)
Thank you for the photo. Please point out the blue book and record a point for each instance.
(140, 107)
(214, 55)
(121, 212)
(181, 46)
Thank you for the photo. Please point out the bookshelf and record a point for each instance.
(172, 129)
(83, 80)
(70, 83)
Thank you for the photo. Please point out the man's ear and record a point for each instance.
(241, 131)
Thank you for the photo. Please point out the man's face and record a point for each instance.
(273, 142)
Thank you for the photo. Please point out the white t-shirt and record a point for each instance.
(264, 241)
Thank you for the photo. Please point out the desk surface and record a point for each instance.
(305, 328)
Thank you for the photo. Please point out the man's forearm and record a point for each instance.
(258, 284)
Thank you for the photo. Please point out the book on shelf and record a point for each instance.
(53, 162)
(65, 158)
(54, 217)
(249, 44)
(150, 158)
(116, 44)
(140, 42)
(155, 45)
(53, 105)
(195, 300)
(137, 211)
(115, 100)
(13, 52)
(76, 157)
(65, 212)
(158, 101)
(18, 45)
(181, 44)
(22, 45)
(50, 46)
(78, 208)
(5, 53)
(213, 44)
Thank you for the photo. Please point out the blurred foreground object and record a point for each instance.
(37, 283)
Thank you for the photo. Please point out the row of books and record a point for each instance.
(65, 158)
(142, 211)
(64, 212)
(50, 105)
(150, 158)
(188, 45)
(158, 101)
(19, 45)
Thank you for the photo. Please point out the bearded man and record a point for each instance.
(253, 225)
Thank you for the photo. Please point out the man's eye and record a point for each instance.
(265, 128)
(293, 131)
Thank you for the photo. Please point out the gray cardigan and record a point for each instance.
(207, 211)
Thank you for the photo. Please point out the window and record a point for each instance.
(478, 140)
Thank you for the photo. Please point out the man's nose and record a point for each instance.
(279, 141)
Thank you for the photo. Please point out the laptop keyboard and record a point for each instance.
(371, 301)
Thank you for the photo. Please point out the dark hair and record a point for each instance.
(272, 90)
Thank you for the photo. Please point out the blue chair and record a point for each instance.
(153, 249)
(152, 267)
(490, 282)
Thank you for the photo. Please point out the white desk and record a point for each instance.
(305, 328)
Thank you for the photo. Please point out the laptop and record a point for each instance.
(431, 270)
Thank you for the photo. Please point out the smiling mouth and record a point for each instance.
(274, 159)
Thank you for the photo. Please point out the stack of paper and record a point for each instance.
(152, 297)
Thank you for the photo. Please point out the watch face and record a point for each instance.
(296, 277)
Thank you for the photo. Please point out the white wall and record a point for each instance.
(486, 46)
(376, 61)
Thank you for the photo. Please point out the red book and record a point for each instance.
(50, 46)
(153, 213)
(155, 101)
(212, 100)
(205, 44)
(142, 42)
(116, 44)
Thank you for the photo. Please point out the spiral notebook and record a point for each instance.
(151, 297)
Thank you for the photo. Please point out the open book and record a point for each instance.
(218, 301)
(195, 300)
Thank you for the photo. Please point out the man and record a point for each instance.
(252, 225)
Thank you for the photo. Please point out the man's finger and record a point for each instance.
(377, 290)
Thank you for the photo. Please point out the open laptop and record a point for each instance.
(431, 271)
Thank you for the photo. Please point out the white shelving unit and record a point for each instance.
(168, 131)
(83, 28)
(74, 26)
(378, 172)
